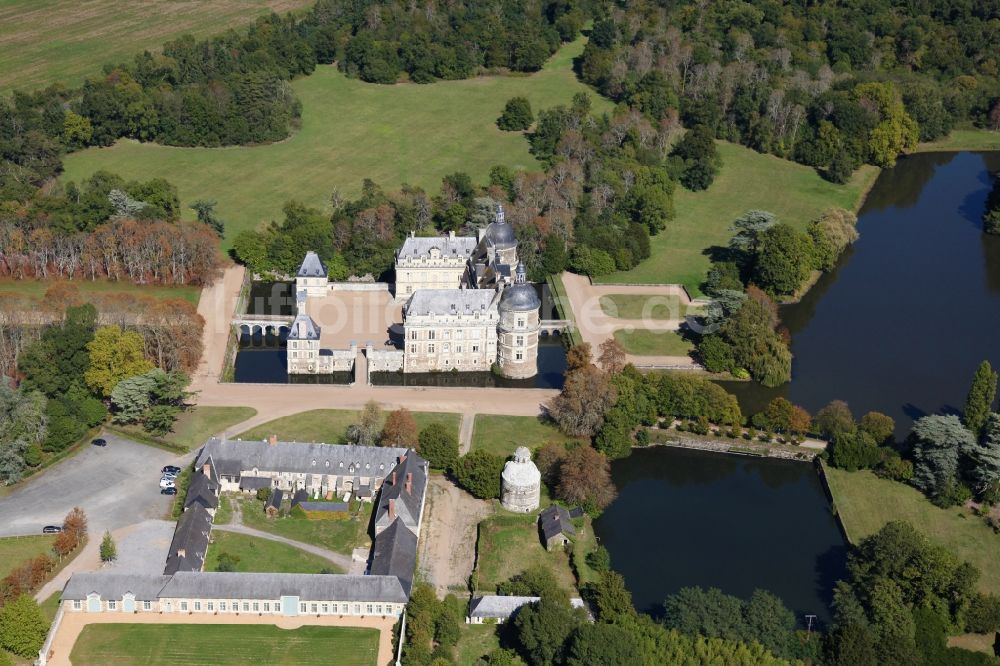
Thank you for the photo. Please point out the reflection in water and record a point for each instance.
(910, 311)
(686, 518)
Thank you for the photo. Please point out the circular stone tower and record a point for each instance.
(517, 333)
(520, 483)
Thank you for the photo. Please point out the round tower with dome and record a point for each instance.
(520, 483)
(517, 331)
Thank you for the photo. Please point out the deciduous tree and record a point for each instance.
(400, 429)
(612, 357)
(115, 355)
(834, 419)
(585, 479)
(479, 473)
(438, 445)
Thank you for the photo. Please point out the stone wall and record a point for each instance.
(384, 360)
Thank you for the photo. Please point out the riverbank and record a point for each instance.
(723, 444)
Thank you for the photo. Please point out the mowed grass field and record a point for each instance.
(794, 193)
(865, 503)
(263, 555)
(65, 41)
(330, 425)
(351, 130)
(653, 343)
(508, 545)
(341, 536)
(501, 435)
(196, 424)
(224, 645)
(15, 551)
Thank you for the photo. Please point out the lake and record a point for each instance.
(912, 309)
(684, 518)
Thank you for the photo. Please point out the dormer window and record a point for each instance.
(314, 462)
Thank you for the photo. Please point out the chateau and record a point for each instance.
(468, 307)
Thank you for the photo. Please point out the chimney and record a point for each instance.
(393, 477)
(206, 469)
(272, 440)
(392, 510)
(181, 552)
(409, 483)
(451, 234)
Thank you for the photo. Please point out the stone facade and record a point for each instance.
(520, 483)
(432, 263)
(449, 329)
(311, 278)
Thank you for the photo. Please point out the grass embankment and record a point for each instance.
(330, 425)
(500, 435)
(633, 306)
(508, 545)
(65, 41)
(263, 555)
(794, 193)
(865, 503)
(564, 308)
(642, 342)
(37, 289)
(341, 536)
(15, 551)
(352, 130)
(224, 645)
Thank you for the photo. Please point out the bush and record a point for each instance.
(479, 474)
(516, 115)
(599, 559)
(22, 627)
(438, 445)
(642, 437)
(264, 494)
(983, 615)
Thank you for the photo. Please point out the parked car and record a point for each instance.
(51, 529)
(100, 442)
(167, 483)
(169, 475)
(171, 468)
(168, 491)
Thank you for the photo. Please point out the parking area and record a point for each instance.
(116, 485)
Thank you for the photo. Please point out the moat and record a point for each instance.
(910, 311)
(685, 518)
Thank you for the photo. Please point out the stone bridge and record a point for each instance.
(550, 326)
(253, 324)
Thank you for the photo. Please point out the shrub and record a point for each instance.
(264, 494)
(479, 473)
(516, 115)
(983, 615)
(438, 445)
(22, 627)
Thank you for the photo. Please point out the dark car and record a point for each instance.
(171, 469)
(51, 529)
(168, 491)
(100, 442)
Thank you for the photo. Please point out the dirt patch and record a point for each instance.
(448, 542)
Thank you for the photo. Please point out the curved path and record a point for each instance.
(342, 561)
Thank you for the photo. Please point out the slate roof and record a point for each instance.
(332, 507)
(254, 482)
(203, 491)
(304, 328)
(520, 296)
(554, 521)
(275, 500)
(191, 537)
(312, 266)
(113, 585)
(298, 457)
(408, 504)
(308, 587)
(502, 607)
(394, 553)
(449, 301)
(457, 246)
(301, 495)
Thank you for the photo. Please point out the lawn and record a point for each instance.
(633, 306)
(64, 41)
(351, 130)
(263, 555)
(224, 644)
(509, 544)
(15, 551)
(341, 536)
(642, 342)
(969, 138)
(475, 641)
(865, 503)
(500, 435)
(330, 425)
(794, 193)
(37, 288)
(197, 424)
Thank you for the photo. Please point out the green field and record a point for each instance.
(197, 424)
(351, 130)
(330, 425)
(642, 342)
(632, 306)
(263, 555)
(64, 41)
(224, 645)
(794, 193)
(500, 435)
(963, 139)
(15, 551)
(865, 503)
(508, 545)
(475, 641)
(341, 536)
(37, 288)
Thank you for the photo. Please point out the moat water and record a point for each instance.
(912, 309)
(684, 518)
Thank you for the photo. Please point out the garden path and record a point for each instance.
(342, 561)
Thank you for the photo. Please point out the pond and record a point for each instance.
(912, 309)
(685, 518)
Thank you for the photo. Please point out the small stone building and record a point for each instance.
(556, 527)
(520, 483)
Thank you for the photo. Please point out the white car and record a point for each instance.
(169, 475)
(167, 483)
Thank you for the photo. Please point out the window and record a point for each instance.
(313, 608)
(246, 607)
(267, 606)
(197, 605)
(236, 606)
(302, 608)
(447, 347)
(520, 323)
(368, 609)
(357, 609)
(256, 607)
(112, 604)
(519, 356)
(430, 349)
(413, 349)
(184, 605)
(519, 340)
(222, 606)
(430, 335)
(458, 348)
(77, 604)
(475, 348)
(326, 608)
(378, 609)
(211, 606)
(413, 335)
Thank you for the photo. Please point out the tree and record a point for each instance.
(438, 445)
(580, 407)
(984, 458)
(207, 216)
(516, 115)
(612, 357)
(854, 450)
(541, 628)
(612, 600)
(75, 523)
(895, 131)
(602, 644)
(365, 431)
(579, 356)
(23, 627)
(879, 426)
(400, 429)
(784, 259)
(834, 419)
(59, 359)
(699, 156)
(109, 551)
(938, 444)
(980, 398)
(478, 472)
(23, 428)
(585, 479)
(227, 561)
(115, 355)
(501, 657)
(748, 229)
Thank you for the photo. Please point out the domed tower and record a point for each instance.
(520, 483)
(517, 332)
(502, 238)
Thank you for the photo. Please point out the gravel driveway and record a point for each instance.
(117, 485)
